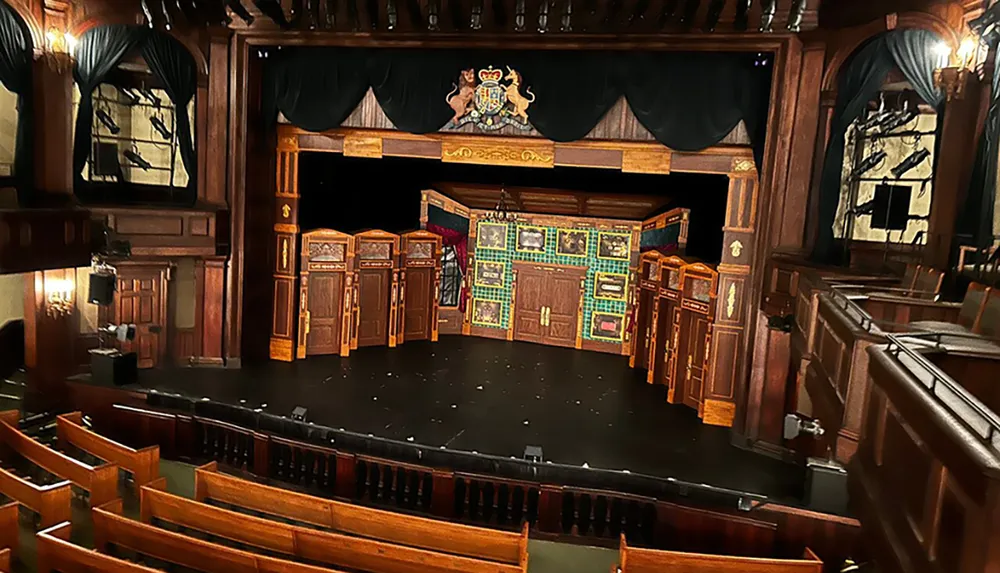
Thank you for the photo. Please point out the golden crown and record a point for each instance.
(490, 74)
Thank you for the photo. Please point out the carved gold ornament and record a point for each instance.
(286, 211)
(736, 248)
(742, 165)
(494, 154)
(731, 300)
(284, 253)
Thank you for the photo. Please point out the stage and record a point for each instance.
(496, 397)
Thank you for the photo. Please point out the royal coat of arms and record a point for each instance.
(491, 101)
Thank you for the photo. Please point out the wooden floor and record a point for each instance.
(496, 397)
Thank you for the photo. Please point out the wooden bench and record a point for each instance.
(111, 528)
(304, 543)
(56, 553)
(101, 481)
(634, 560)
(144, 464)
(436, 535)
(50, 502)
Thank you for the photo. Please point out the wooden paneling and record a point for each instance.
(41, 239)
(162, 232)
(285, 244)
(214, 179)
(141, 299)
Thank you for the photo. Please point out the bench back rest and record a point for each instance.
(909, 276)
(989, 323)
(112, 528)
(972, 307)
(305, 543)
(634, 560)
(412, 531)
(144, 464)
(56, 553)
(928, 281)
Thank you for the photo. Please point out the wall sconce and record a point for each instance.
(58, 297)
(59, 49)
(953, 75)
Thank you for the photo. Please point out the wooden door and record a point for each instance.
(326, 301)
(528, 303)
(642, 328)
(694, 334)
(418, 307)
(562, 302)
(373, 303)
(141, 300)
(664, 331)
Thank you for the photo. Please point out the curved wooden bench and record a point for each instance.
(325, 547)
(101, 481)
(56, 553)
(635, 560)
(50, 502)
(111, 528)
(397, 528)
(144, 464)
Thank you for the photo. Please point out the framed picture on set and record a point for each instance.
(486, 312)
(610, 286)
(489, 274)
(571, 243)
(530, 239)
(492, 236)
(607, 326)
(615, 246)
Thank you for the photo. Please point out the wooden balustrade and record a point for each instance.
(327, 547)
(635, 560)
(357, 520)
(143, 464)
(100, 481)
(496, 501)
(55, 553)
(113, 529)
(926, 477)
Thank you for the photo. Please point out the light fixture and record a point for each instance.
(898, 119)
(952, 75)
(58, 297)
(502, 213)
(911, 161)
(59, 49)
(869, 163)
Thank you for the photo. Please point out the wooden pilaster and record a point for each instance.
(729, 330)
(286, 230)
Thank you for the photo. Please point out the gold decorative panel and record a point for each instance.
(326, 252)
(367, 146)
(519, 153)
(646, 161)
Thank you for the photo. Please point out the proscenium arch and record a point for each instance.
(860, 35)
(189, 43)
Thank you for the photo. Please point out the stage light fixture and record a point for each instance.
(137, 160)
(533, 454)
(108, 122)
(868, 163)
(152, 97)
(299, 413)
(128, 95)
(160, 127)
(911, 161)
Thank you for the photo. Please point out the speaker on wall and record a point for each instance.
(102, 289)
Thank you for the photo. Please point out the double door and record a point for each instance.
(547, 303)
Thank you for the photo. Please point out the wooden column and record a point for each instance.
(53, 124)
(49, 339)
(212, 139)
(726, 355)
(286, 231)
(953, 167)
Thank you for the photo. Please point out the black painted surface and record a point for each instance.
(496, 397)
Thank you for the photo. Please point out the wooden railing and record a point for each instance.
(112, 529)
(926, 478)
(393, 527)
(636, 560)
(551, 510)
(327, 547)
(100, 481)
(143, 464)
(55, 553)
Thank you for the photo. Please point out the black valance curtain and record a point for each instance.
(16, 49)
(911, 51)
(101, 49)
(689, 101)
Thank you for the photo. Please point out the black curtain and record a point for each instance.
(913, 53)
(16, 50)
(572, 90)
(174, 66)
(98, 52)
(411, 85)
(861, 78)
(975, 218)
(689, 101)
(316, 88)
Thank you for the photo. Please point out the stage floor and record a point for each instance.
(495, 397)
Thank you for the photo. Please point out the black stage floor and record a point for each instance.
(495, 397)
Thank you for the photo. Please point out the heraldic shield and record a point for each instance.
(490, 100)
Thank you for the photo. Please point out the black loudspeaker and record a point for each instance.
(826, 486)
(112, 368)
(102, 289)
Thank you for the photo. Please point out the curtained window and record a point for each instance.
(8, 131)
(451, 277)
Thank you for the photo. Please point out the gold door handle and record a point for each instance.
(688, 369)
(308, 317)
(545, 316)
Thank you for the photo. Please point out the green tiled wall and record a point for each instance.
(594, 265)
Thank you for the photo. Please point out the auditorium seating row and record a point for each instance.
(906, 388)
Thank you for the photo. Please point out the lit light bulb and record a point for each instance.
(942, 51)
(966, 50)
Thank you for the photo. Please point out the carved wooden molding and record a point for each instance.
(499, 151)
(646, 161)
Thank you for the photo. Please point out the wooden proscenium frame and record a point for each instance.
(739, 257)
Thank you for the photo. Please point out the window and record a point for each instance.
(451, 277)
(8, 131)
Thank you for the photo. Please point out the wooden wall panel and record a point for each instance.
(162, 233)
(214, 179)
(285, 269)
